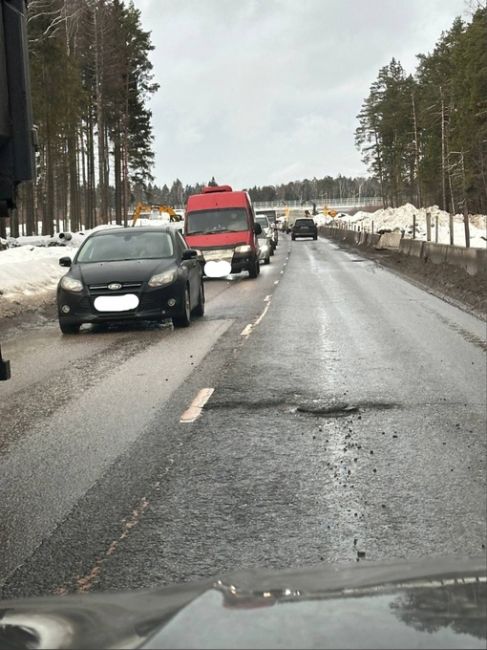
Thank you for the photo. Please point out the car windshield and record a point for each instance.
(118, 246)
(262, 221)
(304, 222)
(215, 221)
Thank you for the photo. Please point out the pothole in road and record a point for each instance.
(337, 410)
(244, 404)
(342, 409)
(315, 408)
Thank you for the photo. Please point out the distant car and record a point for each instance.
(281, 223)
(265, 239)
(273, 221)
(304, 228)
(124, 274)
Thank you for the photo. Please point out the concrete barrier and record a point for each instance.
(363, 238)
(435, 253)
(412, 247)
(472, 260)
(372, 240)
(389, 241)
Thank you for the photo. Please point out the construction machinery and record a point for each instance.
(144, 208)
(328, 212)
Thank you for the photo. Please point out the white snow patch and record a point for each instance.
(402, 219)
(29, 270)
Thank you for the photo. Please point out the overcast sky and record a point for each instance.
(258, 92)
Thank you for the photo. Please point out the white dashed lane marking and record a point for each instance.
(247, 331)
(194, 411)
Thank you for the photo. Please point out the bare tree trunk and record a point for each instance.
(118, 175)
(30, 217)
(74, 206)
(100, 115)
(90, 164)
(379, 167)
(14, 223)
(47, 217)
(126, 197)
(416, 152)
(443, 150)
(466, 218)
(84, 178)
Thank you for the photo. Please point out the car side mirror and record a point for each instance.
(258, 229)
(65, 261)
(189, 254)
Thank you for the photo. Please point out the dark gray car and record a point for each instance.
(123, 274)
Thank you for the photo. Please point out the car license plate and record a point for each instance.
(127, 302)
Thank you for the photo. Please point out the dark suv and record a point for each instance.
(304, 228)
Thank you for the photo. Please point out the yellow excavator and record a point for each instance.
(328, 212)
(142, 208)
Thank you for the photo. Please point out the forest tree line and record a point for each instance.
(91, 80)
(315, 189)
(424, 136)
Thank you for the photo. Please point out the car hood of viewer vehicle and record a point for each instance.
(123, 271)
(426, 604)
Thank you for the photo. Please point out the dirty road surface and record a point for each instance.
(345, 422)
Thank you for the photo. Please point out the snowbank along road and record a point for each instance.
(327, 411)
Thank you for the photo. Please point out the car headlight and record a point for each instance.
(243, 249)
(162, 279)
(71, 284)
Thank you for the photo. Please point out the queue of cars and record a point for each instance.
(155, 273)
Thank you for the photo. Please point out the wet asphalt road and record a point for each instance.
(350, 418)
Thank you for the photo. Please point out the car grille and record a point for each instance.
(218, 254)
(103, 288)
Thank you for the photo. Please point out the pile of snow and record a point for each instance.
(323, 220)
(29, 270)
(70, 240)
(402, 219)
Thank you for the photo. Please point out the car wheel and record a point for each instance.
(184, 320)
(315, 237)
(267, 260)
(293, 237)
(254, 269)
(199, 310)
(69, 328)
(272, 252)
